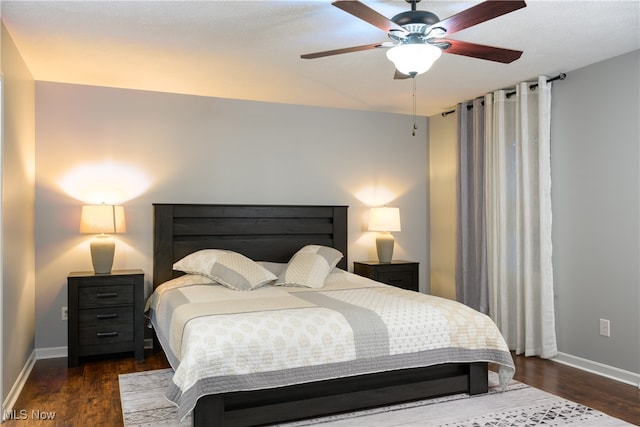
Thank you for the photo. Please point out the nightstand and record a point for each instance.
(402, 274)
(105, 313)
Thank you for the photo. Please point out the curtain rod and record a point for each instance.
(532, 86)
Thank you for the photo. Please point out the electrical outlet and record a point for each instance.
(605, 328)
(65, 313)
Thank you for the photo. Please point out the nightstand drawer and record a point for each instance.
(401, 274)
(107, 334)
(104, 296)
(400, 279)
(106, 316)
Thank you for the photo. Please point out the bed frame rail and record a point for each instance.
(339, 395)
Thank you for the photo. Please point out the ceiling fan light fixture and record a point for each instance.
(413, 58)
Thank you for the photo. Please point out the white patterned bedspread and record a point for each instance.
(220, 340)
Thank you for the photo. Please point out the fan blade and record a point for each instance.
(360, 10)
(340, 51)
(479, 13)
(490, 53)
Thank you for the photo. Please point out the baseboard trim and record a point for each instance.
(55, 352)
(597, 368)
(51, 352)
(14, 393)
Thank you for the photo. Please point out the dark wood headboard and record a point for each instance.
(261, 232)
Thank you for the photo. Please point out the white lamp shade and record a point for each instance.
(413, 58)
(384, 219)
(102, 219)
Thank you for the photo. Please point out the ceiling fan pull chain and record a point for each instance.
(414, 107)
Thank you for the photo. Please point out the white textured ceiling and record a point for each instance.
(251, 50)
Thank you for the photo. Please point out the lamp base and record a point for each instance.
(384, 246)
(102, 250)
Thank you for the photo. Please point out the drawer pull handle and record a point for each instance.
(107, 316)
(107, 334)
(107, 295)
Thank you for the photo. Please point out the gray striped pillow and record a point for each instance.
(310, 266)
(228, 268)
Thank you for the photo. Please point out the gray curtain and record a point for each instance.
(471, 253)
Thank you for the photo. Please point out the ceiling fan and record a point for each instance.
(418, 36)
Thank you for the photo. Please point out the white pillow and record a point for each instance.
(310, 266)
(229, 268)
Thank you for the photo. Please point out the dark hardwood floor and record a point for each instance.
(611, 397)
(88, 395)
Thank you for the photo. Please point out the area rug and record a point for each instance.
(144, 404)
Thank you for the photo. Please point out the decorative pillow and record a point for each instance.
(229, 268)
(188, 280)
(275, 267)
(310, 266)
(199, 262)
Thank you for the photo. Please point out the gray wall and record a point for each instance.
(17, 205)
(137, 148)
(596, 226)
(595, 178)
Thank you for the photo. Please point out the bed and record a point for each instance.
(272, 235)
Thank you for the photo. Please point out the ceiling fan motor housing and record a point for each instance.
(415, 17)
(418, 25)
